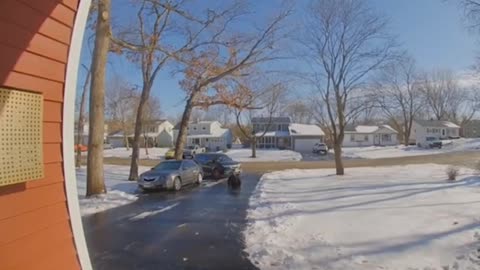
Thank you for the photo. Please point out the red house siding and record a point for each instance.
(35, 229)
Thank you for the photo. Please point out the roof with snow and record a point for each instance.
(362, 129)
(216, 134)
(305, 130)
(436, 123)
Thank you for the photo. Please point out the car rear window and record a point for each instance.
(170, 165)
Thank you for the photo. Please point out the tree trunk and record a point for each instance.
(95, 180)
(182, 132)
(125, 139)
(137, 133)
(254, 147)
(146, 145)
(81, 121)
(337, 149)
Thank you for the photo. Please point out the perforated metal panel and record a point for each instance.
(21, 149)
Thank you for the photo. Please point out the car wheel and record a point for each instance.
(216, 174)
(177, 184)
(199, 178)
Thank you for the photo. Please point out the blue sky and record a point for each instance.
(432, 31)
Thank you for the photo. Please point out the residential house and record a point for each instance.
(281, 133)
(84, 136)
(361, 135)
(436, 129)
(208, 134)
(158, 133)
(471, 129)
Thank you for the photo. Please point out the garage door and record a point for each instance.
(305, 145)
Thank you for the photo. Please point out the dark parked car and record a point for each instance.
(172, 174)
(218, 165)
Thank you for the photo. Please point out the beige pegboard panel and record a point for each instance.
(21, 136)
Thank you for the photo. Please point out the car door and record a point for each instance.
(188, 171)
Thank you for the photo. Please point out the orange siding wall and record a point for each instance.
(35, 231)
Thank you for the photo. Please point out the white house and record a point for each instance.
(382, 135)
(159, 133)
(433, 129)
(208, 134)
(84, 137)
(280, 132)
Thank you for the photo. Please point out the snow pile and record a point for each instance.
(402, 217)
(244, 155)
(122, 152)
(373, 152)
(120, 190)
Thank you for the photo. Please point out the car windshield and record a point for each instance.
(203, 159)
(170, 165)
(224, 159)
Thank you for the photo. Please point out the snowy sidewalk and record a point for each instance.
(402, 217)
(120, 190)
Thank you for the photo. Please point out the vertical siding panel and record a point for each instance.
(34, 216)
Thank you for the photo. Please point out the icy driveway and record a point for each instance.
(403, 217)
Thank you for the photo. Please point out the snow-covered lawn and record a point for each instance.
(120, 190)
(122, 152)
(402, 217)
(244, 155)
(373, 152)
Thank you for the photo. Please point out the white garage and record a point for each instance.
(304, 137)
(305, 144)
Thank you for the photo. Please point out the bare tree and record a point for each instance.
(81, 118)
(442, 93)
(397, 94)
(209, 70)
(95, 177)
(345, 41)
(151, 116)
(265, 104)
(146, 44)
(298, 111)
(121, 99)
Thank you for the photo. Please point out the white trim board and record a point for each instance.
(68, 128)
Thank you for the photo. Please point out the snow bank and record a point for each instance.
(120, 190)
(374, 152)
(403, 217)
(244, 155)
(122, 152)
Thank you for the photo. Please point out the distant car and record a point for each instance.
(107, 146)
(192, 150)
(83, 148)
(170, 154)
(433, 142)
(171, 175)
(320, 148)
(218, 165)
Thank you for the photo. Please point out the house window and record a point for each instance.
(203, 128)
(352, 137)
(194, 128)
(365, 138)
(386, 137)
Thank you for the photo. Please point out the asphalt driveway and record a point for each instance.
(197, 228)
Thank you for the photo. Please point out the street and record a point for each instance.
(199, 227)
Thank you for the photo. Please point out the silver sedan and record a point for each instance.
(172, 175)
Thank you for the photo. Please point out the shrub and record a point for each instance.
(452, 173)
